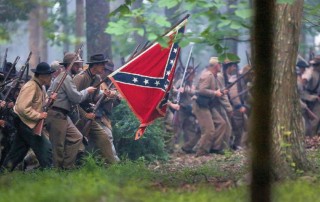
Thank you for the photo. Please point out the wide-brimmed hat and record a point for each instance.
(43, 68)
(228, 62)
(68, 57)
(98, 58)
(315, 60)
(302, 64)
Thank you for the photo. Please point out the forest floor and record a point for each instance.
(182, 178)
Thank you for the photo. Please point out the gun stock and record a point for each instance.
(37, 130)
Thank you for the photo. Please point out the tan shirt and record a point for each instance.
(207, 84)
(30, 102)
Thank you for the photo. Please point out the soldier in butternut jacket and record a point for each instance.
(28, 109)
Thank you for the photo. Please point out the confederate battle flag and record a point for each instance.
(145, 81)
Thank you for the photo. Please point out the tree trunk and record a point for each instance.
(260, 130)
(43, 46)
(64, 20)
(34, 36)
(287, 127)
(79, 22)
(96, 22)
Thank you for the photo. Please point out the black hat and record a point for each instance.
(6, 70)
(43, 68)
(302, 64)
(98, 58)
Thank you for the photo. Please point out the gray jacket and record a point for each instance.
(67, 94)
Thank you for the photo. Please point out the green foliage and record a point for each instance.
(285, 1)
(125, 125)
(211, 22)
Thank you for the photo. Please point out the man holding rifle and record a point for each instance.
(28, 109)
(98, 137)
(65, 138)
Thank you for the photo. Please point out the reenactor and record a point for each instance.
(187, 120)
(311, 79)
(66, 139)
(212, 124)
(28, 110)
(239, 117)
(105, 110)
(98, 137)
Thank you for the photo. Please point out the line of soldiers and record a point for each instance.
(212, 114)
(61, 144)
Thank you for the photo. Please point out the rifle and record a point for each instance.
(38, 128)
(5, 59)
(86, 128)
(12, 67)
(241, 93)
(14, 86)
(184, 76)
(237, 80)
(174, 120)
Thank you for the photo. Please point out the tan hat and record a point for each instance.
(68, 57)
(55, 65)
(214, 60)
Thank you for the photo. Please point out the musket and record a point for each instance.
(86, 128)
(5, 59)
(15, 84)
(174, 120)
(12, 67)
(184, 76)
(237, 80)
(38, 128)
(241, 93)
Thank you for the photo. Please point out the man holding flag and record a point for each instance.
(145, 80)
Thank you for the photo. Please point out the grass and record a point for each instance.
(133, 181)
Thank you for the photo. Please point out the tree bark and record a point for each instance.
(43, 46)
(96, 22)
(79, 22)
(287, 127)
(64, 20)
(260, 130)
(33, 27)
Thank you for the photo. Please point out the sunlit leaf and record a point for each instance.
(244, 13)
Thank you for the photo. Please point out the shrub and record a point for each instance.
(151, 146)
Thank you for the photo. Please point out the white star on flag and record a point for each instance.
(135, 80)
(168, 72)
(157, 83)
(175, 50)
(146, 81)
(171, 61)
(166, 86)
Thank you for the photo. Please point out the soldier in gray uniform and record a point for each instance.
(98, 137)
(65, 138)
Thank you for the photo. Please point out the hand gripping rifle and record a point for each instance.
(38, 128)
(15, 84)
(86, 128)
(237, 80)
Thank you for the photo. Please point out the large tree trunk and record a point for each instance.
(65, 24)
(79, 22)
(287, 127)
(43, 46)
(38, 43)
(33, 27)
(97, 19)
(260, 130)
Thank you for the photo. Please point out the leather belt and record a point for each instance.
(58, 109)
